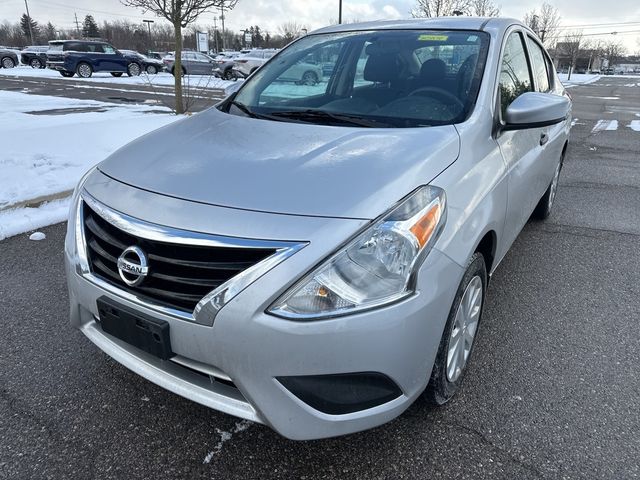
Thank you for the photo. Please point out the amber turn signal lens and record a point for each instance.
(423, 229)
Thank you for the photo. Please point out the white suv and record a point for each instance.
(253, 60)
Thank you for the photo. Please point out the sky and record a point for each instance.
(269, 14)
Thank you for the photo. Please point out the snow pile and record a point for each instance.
(53, 141)
(578, 79)
(160, 79)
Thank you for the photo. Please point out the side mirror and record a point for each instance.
(535, 110)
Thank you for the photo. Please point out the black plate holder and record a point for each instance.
(141, 331)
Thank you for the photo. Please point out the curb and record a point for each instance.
(36, 202)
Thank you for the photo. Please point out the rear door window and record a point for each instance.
(539, 66)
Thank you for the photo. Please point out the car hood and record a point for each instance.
(280, 167)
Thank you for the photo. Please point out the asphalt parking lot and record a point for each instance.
(553, 390)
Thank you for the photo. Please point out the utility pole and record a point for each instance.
(222, 20)
(149, 22)
(340, 12)
(77, 24)
(29, 18)
(215, 33)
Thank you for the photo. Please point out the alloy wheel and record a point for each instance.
(464, 329)
(35, 63)
(134, 69)
(554, 186)
(84, 70)
(8, 62)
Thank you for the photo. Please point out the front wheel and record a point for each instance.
(35, 63)
(459, 334)
(7, 62)
(84, 70)
(152, 69)
(545, 205)
(309, 78)
(133, 70)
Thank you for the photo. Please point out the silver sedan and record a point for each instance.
(316, 257)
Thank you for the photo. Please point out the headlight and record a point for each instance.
(374, 269)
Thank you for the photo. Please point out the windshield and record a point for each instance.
(389, 78)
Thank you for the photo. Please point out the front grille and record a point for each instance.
(179, 275)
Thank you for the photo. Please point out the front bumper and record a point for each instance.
(233, 365)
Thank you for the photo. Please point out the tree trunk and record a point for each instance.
(177, 68)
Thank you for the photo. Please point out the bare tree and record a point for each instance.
(484, 8)
(545, 22)
(181, 13)
(440, 8)
(613, 50)
(572, 47)
(290, 30)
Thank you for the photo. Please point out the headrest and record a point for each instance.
(381, 68)
(433, 69)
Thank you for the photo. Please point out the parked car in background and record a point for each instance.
(35, 56)
(304, 73)
(144, 63)
(317, 259)
(224, 67)
(250, 62)
(193, 63)
(70, 57)
(157, 55)
(8, 57)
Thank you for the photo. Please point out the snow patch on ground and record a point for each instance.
(50, 149)
(53, 142)
(635, 125)
(225, 437)
(578, 79)
(20, 220)
(160, 79)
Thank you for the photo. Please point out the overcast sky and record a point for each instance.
(268, 14)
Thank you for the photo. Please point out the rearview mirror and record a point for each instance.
(534, 110)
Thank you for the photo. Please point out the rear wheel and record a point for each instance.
(173, 72)
(116, 74)
(35, 63)
(84, 70)
(152, 69)
(66, 74)
(459, 334)
(7, 62)
(133, 70)
(309, 78)
(545, 205)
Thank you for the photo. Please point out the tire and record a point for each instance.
(228, 75)
(116, 74)
(134, 69)
(173, 72)
(84, 70)
(446, 379)
(35, 63)
(7, 62)
(545, 205)
(309, 78)
(152, 69)
(66, 74)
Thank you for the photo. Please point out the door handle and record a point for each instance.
(544, 138)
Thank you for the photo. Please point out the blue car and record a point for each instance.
(83, 58)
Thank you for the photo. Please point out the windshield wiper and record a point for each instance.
(313, 116)
(250, 113)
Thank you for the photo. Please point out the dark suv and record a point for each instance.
(35, 56)
(85, 57)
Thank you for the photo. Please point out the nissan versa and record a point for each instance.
(316, 257)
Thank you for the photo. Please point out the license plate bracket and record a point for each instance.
(146, 333)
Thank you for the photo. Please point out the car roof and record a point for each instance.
(437, 23)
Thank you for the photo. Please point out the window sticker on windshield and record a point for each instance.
(472, 38)
(433, 38)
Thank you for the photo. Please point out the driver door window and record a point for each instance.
(515, 76)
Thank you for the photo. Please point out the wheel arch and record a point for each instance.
(486, 246)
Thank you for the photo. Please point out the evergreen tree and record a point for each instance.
(24, 26)
(49, 32)
(90, 27)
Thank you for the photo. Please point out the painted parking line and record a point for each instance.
(605, 125)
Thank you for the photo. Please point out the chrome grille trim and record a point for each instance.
(211, 303)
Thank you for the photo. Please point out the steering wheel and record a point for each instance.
(439, 94)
